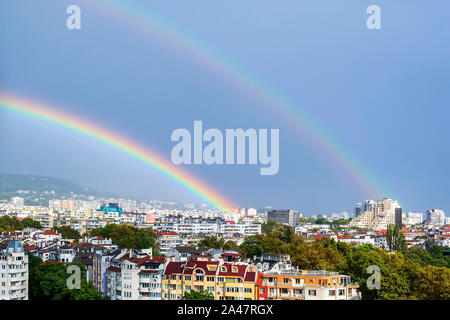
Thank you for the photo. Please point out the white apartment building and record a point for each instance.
(436, 217)
(412, 218)
(168, 240)
(13, 272)
(244, 229)
(17, 202)
(135, 276)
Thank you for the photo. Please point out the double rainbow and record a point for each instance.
(118, 142)
(297, 119)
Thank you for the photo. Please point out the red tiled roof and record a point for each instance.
(203, 265)
(30, 247)
(231, 254)
(174, 268)
(114, 269)
(228, 266)
(250, 276)
(345, 237)
(167, 233)
(50, 233)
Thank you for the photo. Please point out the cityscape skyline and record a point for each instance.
(137, 73)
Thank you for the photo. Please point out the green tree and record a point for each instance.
(10, 224)
(212, 242)
(432, 283)
(269, 226)
(31, 223)
(434, 255)
(128, 237)
(230, 245)
(198, 295)
(395, 238)
(48, 281)
(68, 232)
(253, 246)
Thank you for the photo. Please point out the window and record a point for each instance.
(298, 291)
(198, 275)
(332, 293)
(341, 292)
(219, 279)
(248, 290)
(187, 278)
(210, 289)
(262, 290)
(312, 292)
(210, 279)
(285, 280)
(187, 288)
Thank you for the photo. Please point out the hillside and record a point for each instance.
(37, 190)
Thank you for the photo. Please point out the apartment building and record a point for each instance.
(168, 240)
(100, 265)
(225, 280)
(412, 218)
(305, 285)
(278, 280)
(135, 275)
(207, 228)
(289, 217)
(13, 272)
(377, 215)
(436, 217)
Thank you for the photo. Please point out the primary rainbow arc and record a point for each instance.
(119, 143)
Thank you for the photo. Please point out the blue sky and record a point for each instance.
(383, 94)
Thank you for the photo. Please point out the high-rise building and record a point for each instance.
(378, 214)
(17, 202)
(436, 217)
(412, 218)
(363, 207)
(13, 272)
(289, 217)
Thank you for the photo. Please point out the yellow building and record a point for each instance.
(225, 280)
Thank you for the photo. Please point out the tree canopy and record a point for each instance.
(402, 275)
(68, 232)
(198, 295)
(128, 237)
(48, 281)
(12, 224)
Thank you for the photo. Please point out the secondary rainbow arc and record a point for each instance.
(297, 119)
